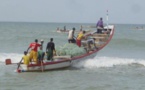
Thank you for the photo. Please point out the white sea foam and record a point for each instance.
(89, 63)
(13, 56)
(108, 62)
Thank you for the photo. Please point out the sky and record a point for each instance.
(73, 11)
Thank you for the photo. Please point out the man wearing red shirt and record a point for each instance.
(34, 48)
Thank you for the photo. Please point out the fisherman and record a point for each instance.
(33, 53)
(91, 41)
(42, 41)
(26, 58)
(41, 53)
(80, 37)
(100, 26)
(71, 36)
(49, 49)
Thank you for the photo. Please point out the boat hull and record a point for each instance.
(46, 65)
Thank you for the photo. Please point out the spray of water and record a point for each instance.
(13, 56)
(108, 62)
(97, 62)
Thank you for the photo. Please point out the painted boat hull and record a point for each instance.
(48, 66)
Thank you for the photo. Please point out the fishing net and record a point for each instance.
(70, 49)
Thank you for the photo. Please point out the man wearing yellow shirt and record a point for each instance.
(26, 58)
(80, 37)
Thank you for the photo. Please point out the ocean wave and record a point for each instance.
(15, 57)
(99, 62)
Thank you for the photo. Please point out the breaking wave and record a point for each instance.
(13, 56)
(97, 62)
(108, 62)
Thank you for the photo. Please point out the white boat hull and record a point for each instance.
(46, 66)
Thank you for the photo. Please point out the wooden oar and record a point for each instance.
(19, 63)
(22, 59)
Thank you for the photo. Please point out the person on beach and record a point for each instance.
(50, 48)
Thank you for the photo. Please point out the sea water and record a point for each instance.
(118, 66)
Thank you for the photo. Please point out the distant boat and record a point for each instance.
(62, 31)
(66, 31)
(101, 40)
(139, 28)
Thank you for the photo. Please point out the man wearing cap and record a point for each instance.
(34, 48)
(41, 53)
(42, 41)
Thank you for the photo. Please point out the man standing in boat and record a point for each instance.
(41, 54)
(71, 36)
(100, 25)
(80, 37)
(34, 48)
(49, 49)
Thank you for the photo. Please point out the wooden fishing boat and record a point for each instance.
(62, 31)
(67, 31)
(101, 40)
(138, 28)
